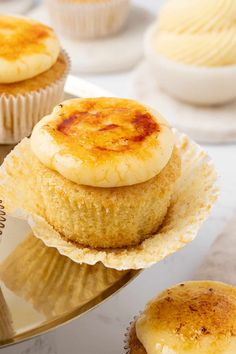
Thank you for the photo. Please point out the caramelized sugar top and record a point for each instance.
(19, 36)
(104, 126)
(193, 310)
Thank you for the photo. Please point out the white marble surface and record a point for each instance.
(102, 330)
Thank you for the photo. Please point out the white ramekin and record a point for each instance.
(192, 84)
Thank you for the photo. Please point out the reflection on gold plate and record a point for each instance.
(48, 275)
(43, 289)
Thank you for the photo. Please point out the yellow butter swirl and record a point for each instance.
(198, 32)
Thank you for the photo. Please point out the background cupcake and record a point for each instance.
(192, 317)
(32, 74)
(191, 50)
(88, 18)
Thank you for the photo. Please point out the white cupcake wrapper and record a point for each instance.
(19, 113)
(88, 20)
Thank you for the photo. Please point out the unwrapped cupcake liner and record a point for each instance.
(53, 283)
(192, 201)
(88, 20)
(19, 113)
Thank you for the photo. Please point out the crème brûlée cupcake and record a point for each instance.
(193, 317)
(33, 70)
(192, 50)
(89, 19)
(106, 170)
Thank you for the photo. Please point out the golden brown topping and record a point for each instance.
(195, 312)
(194, 317)
(101, 125)
(21, 37)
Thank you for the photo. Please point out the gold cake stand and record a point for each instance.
(39, 288)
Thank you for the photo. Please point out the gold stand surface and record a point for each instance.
(41, 290)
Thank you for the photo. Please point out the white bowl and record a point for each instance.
(192, 84)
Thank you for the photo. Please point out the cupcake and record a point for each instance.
(32, 74)
(191, 50)
(108, 180)
(88, 19)
(193, 317)
(106, 170)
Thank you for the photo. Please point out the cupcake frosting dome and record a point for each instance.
(103, 143)
(198, 32)
(27, 48)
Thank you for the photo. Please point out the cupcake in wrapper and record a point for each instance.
(192, 317)
(53, 283)
(32, 76)
(185, 197)
(88, 19)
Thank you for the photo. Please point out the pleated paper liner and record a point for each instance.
(131, 343)
(53, 283)
(88, 20)
(2, 217)
(19, 113)
(6, 324)
(195, 194)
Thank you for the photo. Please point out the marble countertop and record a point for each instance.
(102, 330)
